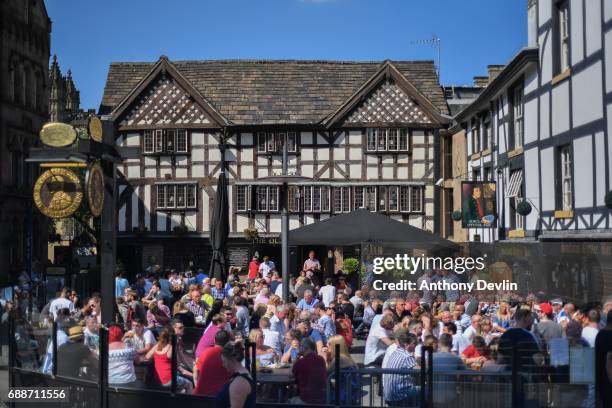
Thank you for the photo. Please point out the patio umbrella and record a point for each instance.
(219, 230)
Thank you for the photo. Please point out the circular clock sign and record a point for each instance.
(58, 193)
(94, 181)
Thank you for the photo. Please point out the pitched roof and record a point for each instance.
(248, 92)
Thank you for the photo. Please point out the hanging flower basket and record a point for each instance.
(251, 234)
(608, 199)
(457, 215)
(523, 208)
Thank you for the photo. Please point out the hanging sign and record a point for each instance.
(56, 134)
(478, 204)
(94, 184)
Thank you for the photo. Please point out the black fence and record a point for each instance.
(356, 386)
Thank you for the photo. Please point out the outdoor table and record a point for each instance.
(281, 378)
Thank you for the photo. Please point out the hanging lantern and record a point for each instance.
(523, 208)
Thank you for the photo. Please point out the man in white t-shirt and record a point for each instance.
(589, 332)
(378, 340)
(473, 329)
(328, 292)
(62, 302)
(266, 267)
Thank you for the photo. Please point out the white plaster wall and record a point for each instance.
(560, 108)
(576, 31)
(548, 179)
(587, 102)
(593, 27)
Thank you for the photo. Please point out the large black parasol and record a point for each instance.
(219, 230)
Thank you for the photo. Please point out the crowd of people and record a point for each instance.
(212, 321)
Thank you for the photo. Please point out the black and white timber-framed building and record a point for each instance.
(541, 128)
(365, 134)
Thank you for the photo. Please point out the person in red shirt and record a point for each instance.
(344, 327)
(310, 374)
(253, 268)
(209, 375)
(474, 356)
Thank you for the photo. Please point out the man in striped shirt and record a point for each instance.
(197, 306)
(399, 390)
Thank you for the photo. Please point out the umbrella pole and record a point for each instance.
(285, 228)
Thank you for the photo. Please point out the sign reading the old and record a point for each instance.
(95, 129)
(57, 134)
(94, 182)
(58, 193)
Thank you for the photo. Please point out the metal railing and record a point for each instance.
(345, 387)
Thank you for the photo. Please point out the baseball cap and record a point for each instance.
(546, 308)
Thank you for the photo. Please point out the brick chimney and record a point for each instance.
(481, 81)
(494, 70)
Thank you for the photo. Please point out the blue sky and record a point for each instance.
(89, 34)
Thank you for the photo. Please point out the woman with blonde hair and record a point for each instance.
(264, 355)
(350, 385)
(501, 319)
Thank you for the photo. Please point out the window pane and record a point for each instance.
(159, 141)
(261, 142)
(161, 196)
(293, 199)
(273, 197)
(191, 196)
(181, 141)
(404, 198)
(346, 199)
(180, 196)
(370, 198)
(316, 198)
(291, 142)
(170, 196)
(393, 199)
(416, 198)
(262, 198)
(240, 198)
(271, 143)
(325, 199)
(382, 139)
(403, 139)
(392, 139)
(308, 198)
(170, 140)
(337, 199)
(148, 141)
(382, 198)
(358, 197)
(372, 139)
(279, 141)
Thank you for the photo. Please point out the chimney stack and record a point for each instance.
(494, 70)
(481, 81)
